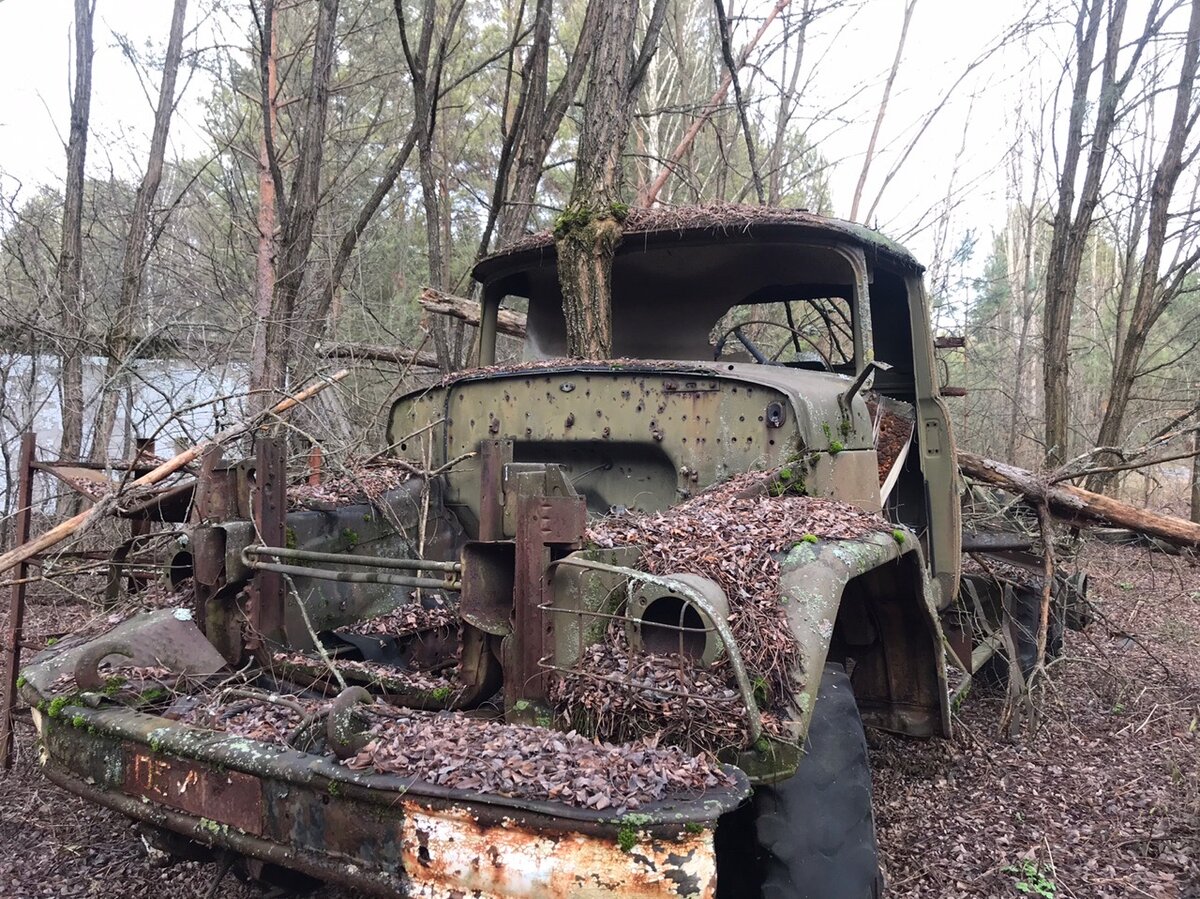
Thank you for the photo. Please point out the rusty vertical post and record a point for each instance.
(270, 518)
(315, 460)
(493, 456)
(546, 525)
(16, 606)
(143, 449)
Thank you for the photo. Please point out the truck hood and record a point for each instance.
(641, 435)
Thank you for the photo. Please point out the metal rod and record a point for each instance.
(307, 555)
(16, 602)
(355, 577)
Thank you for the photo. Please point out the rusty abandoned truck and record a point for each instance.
(593, 628)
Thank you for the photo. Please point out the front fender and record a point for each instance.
(869, 604)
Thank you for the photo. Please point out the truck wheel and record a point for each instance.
(1023, 619)
(816, 830)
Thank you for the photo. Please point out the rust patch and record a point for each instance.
(448, 851)
(230, 797)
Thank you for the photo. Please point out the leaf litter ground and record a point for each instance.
(1108, 792)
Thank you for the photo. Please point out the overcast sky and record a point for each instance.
(854, 55)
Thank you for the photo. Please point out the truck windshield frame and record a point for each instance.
(669, 297)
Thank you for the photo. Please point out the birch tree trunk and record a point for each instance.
(263, 367)
(279, 343)
(70, 259)
(134, 262)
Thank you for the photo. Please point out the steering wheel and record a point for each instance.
(759, 356)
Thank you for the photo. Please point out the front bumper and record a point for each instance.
(381, 834)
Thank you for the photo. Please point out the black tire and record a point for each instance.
(816, 830)
(1024, 615)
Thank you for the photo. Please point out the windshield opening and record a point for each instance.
(773, 302)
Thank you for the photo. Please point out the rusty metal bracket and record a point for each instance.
(265, 611)
(546, 525)
(344, 740)
(87, 666)
(493, 456)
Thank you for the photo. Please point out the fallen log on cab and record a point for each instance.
(1075, 503)
(507, 322)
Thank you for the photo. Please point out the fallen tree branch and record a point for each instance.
(84, 519)
(1074, 503)
(369, 352)
(1125, 466)
(507, 322)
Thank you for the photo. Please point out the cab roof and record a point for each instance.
(660, 225)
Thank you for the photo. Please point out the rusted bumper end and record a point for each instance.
(384, 835)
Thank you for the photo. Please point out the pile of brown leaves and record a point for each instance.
(254, 719)
(894, 432)
(162, 595)
(621, 696)
(452, 750)
(734, 534)
(411, 618)
(356, 484)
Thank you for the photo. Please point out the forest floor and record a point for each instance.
(1101, 801)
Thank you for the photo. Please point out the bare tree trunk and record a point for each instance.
(519, 127)
(317, 319)
(587, 233)
(731, 67)
(134, 263)
(1072, 222)
(425, 69)
(710, 109)
(1196, 478)
(1024, 280)
(70, 259)
(869, 157)
(264, 369)
(537, 121)
(786, 100)
(1151, 301)
(305, 195)
(282, 338)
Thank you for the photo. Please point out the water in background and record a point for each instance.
(175, 401)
